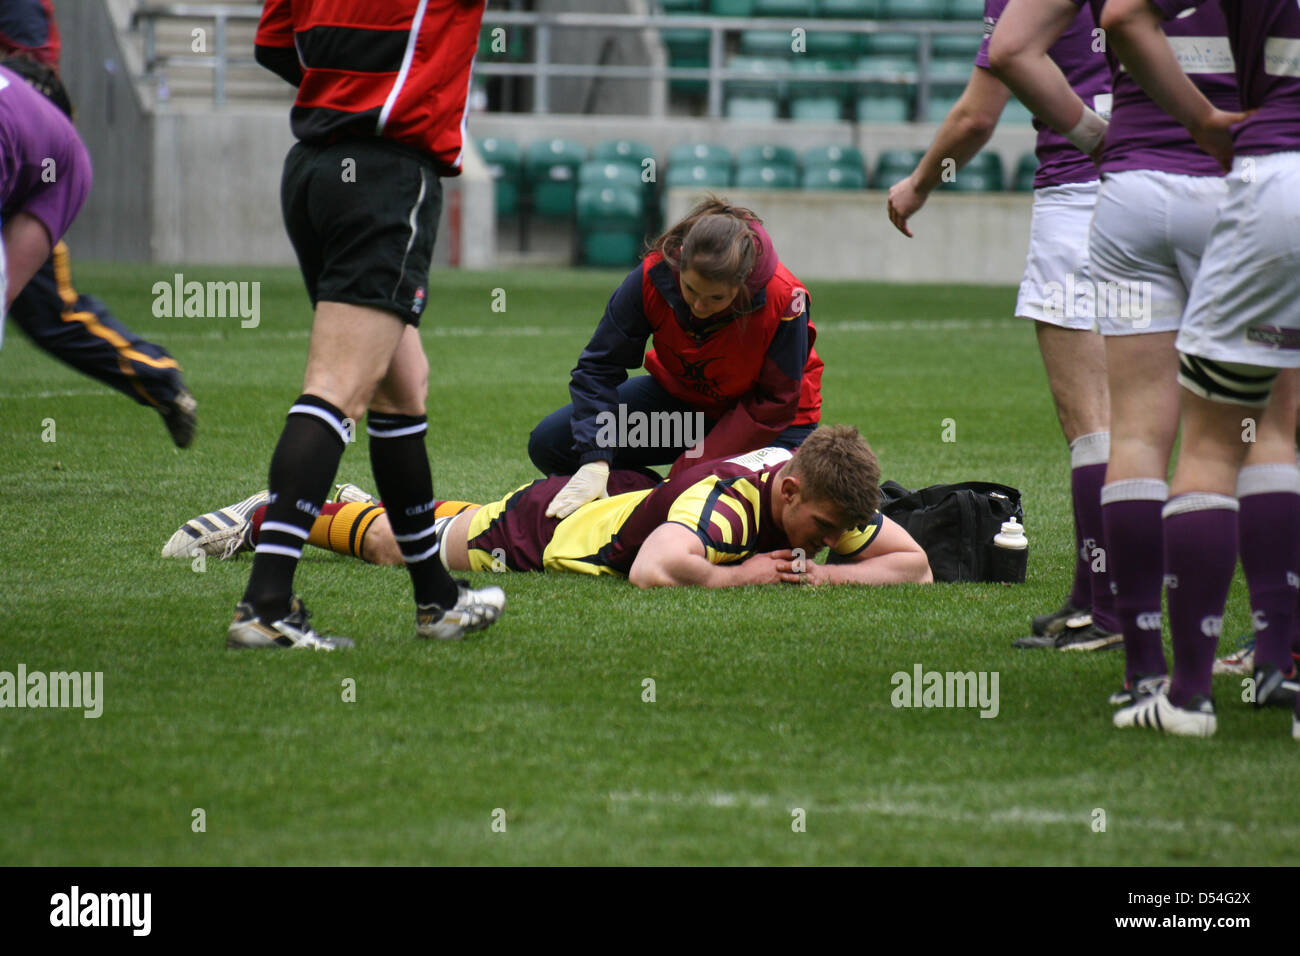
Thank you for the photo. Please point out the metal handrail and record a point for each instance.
(542, 69)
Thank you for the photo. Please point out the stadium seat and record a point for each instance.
(768, 154)
(840, 48)
(893, 165)
(1023, 181)
(706, 153)
(610, 224)
(783, 8)
(816, 101)
(698, 175)
(972, 10)
(627, 151)
(767, 176)
(551, 170)
(1016, 112)
(953, 56)
(889, 53)
(758, 98)
(504, 161)
(835, 177)
(731, 8)
(849, 9)
(983, 174)
(766, 43)
(882, 103)
(682, 6)
(912, 9)
(688, 49)
(820, 157)
(753, 107)
(943, 97)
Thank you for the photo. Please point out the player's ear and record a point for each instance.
(789, 488)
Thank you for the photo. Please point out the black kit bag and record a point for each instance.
(956, 524)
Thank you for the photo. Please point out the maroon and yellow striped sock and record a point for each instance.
(342, 526)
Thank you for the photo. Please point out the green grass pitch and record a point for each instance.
(767, 701)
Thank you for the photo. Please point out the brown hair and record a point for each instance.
(715, 240)
(836, 465)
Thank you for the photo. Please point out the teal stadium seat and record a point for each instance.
(630, 152)
(835, 177)
(889, 53)
(505, 163)
(893, 165)
(1026, 166)
(1017, 112)
(766, 43)
(731, 8)
(943, 97)
(953, 56)
(551, 172)
(881, 103)
(784, 8)
(912, 9)
(767, 176)
(698, 175)
(611, 224)
(983, 174)
(817, 101)
(768, 154)
(706, 153)
(682, 6)
(820, 157)
(687, 49)
(759, 97)
(972, 10)
(848, 9)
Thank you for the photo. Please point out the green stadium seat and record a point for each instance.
(705, 153)
(505, 163)
(942, 99)
(983, 174)
(1023, 181)
(881, 103)
(698, 175)
(953, 56)
(820, 157)
(731, 8)
(629, 151)
(767, 176)
(849, 9)
(816, 109)
(758, 98)
(888, 53)
(766, 43)
(752, 107)
(783, 8)
(893, 165)
(617, 172)
(912, 9)
(835, 177)
(611, 224)
(838, 47)
(972, 10)
(682, 6)
(768, 154)
(1017, 112)
(551, 171)
(688, 49)
(817, 101)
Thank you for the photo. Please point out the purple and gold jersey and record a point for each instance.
(727, 504)
(44, 167)
(1080, 56)
(1265, 38)
(1142, 135)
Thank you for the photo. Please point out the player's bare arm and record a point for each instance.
(893, 557)
(963, 133)
(1018, 57)
(1133, 28)
(673, 556)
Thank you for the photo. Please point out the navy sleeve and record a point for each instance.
(618, 345)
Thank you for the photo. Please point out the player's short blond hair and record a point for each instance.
(836, 465)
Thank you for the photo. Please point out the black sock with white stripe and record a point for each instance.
(401, 466)
(302, 470)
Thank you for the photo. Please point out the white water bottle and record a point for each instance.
(1010, 555)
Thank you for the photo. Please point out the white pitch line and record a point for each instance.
(1027, 816)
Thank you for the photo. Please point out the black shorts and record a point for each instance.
(362, 215)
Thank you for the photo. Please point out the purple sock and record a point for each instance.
(1081, 590)
(1200, 558)
(1270, 556)
(1088, 456)
(1130, 511)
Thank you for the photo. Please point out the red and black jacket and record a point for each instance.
(398, 69)
(752, 370)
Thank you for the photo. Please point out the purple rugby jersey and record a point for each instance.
(36, 142)
(1060, 162)
(1265, 37)
(1142, 135)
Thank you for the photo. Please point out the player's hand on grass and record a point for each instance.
(586, 485)
(1214, 135)
(798, 569)
(904, 200)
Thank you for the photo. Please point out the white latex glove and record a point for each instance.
(587, 485)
